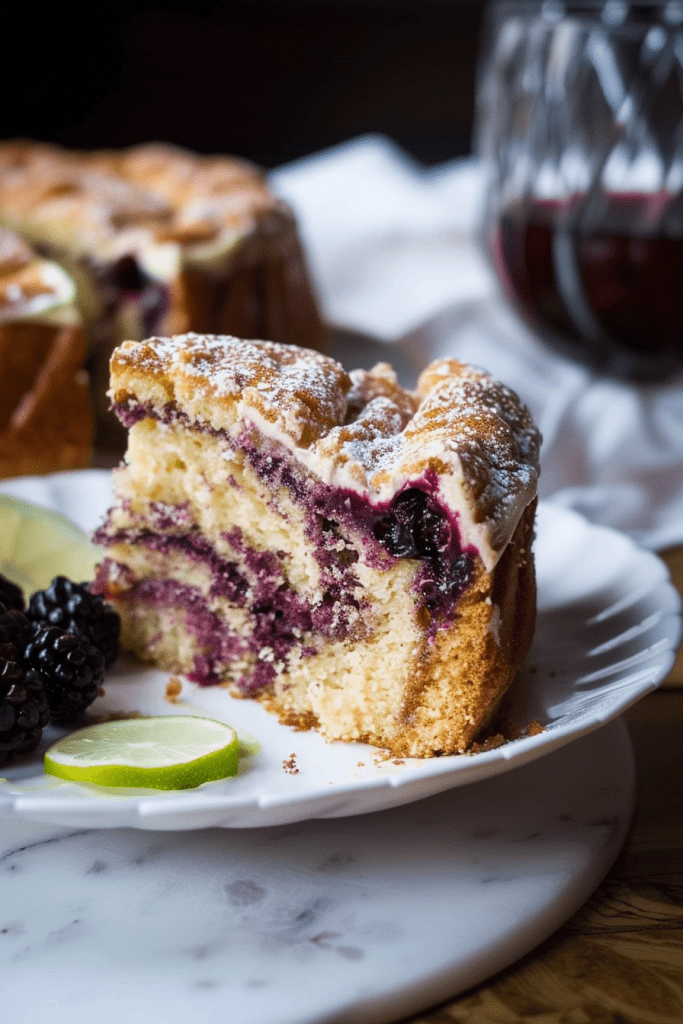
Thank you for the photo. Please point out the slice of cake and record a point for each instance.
(45, 416)
(356, 556)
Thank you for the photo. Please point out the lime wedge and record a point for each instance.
(37, 544)
(168, 752)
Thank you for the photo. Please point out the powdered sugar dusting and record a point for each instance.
(299, 390)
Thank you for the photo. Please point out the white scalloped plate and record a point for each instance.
(608, 629)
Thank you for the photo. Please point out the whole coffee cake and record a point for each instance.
(354, 555)
(157, 239)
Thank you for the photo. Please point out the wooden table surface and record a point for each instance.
(619, 960)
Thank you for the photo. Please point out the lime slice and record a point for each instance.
(168, 752)
(37, 544)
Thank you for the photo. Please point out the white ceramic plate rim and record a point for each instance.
(609, 628)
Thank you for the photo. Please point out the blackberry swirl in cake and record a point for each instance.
(354, 555)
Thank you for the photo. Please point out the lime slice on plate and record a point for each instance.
(167, 752)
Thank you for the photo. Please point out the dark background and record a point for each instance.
(270, 80)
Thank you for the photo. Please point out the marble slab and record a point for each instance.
(361, 919)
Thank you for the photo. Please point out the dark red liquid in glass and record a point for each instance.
(609, 299)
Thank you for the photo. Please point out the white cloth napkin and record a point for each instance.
(394, 252)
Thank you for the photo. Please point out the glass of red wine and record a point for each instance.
(580, 134)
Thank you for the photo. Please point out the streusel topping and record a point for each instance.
(461, 434)
(152, 194)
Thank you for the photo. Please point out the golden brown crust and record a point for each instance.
(465, 672)
(177, 175)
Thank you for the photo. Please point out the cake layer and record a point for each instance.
(355, 556)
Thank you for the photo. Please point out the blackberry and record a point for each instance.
(73, 608)
(11, 595)
(23, 705)
(71, 668)
(414, 528)
(15, 628)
